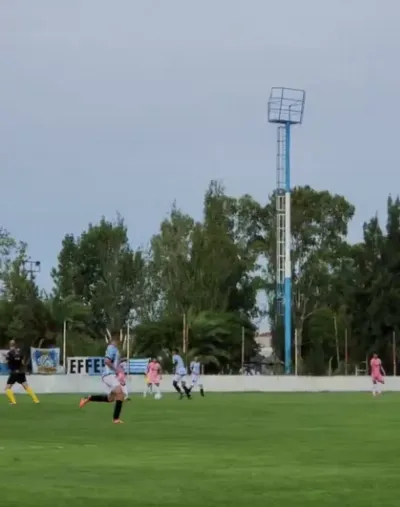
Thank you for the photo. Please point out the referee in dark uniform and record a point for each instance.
(17, 373)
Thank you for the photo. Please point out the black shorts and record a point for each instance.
(16, 378)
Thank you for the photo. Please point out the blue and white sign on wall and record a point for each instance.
(3, 362)
(137, 366)
(45, 361)
(94, 366)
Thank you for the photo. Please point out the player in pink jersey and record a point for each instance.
(377, 374)
(154, 374)
(121, 375)
(149, 386)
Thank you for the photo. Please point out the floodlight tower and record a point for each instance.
(32, 267)
(285, 108)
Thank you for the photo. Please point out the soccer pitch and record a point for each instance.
(247, 450)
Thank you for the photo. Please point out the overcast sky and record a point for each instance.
(127, 105)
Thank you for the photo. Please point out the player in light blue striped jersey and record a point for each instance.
(110, 377)
(195, 370)
(179, 375)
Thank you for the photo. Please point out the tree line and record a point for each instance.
(196, 285)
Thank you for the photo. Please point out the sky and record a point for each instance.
(127, 105)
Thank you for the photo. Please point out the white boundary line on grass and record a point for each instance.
(50, 446)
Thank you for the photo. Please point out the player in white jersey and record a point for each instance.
(195, 370)
(179, 375)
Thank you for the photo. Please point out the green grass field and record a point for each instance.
(281, 450)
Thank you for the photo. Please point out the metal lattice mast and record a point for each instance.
(280, 220)
(286, 108)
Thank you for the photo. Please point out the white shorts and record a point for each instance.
(111, 381)
(195, 379)
(178, 377)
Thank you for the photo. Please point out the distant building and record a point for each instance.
(264, 340)
(265, 362)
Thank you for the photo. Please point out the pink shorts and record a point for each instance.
(155, 379)
(378, 378)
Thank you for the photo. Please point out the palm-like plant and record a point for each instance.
(216, 339)
(71, 312)
(212, 336)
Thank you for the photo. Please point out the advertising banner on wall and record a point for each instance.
(137, 366)
(94, 366)
(85, 365)
(45, 361)
(3, 362)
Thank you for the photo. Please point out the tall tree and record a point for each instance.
(376, 296)
(225, 263)
(207, 265)
(206, 269)
(319, 229)
(23, 314)
(10, 250)
(102, 271)
(170, 265)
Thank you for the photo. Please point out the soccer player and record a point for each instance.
(111, 372)
(148, 384)
(377, 375)
(124, 366)
(180, 374)
(17, 373)
(154, 374)
(195, 368)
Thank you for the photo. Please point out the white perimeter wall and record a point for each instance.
(220, 383)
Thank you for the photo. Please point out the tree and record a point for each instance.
(206, 272)
(206, 265)
(23, 314)
(71, 315)
(225, 263)
(210, 333)
(170, 265)
(159, 337)
(216, 338)
(376, 293)
(10, 250)
(209, 273)
(101, 270)
(319, 229)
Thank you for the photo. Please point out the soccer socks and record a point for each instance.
(117, 410)
(10, 395)
(32, 394)
(187, 390)
(190, 389)
(376, 389)
(176, 386)
(99, 398)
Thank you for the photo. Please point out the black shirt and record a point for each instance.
(14, 360)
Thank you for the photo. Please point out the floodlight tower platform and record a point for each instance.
(285, 108)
